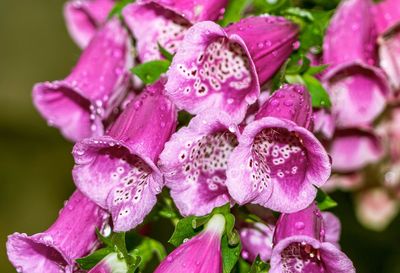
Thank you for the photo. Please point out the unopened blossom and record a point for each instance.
(118, 170)
(278, 161)
(110, 264)
(358, 90)
(345, 182)
(306, 242)
(72, 236)
(387, 20)
(376, 209)
(165, 22)
(78, 104)
(257, 241)
(200, 254)
(223, 68)
(353, 149)
(195, 160)
(84, 17)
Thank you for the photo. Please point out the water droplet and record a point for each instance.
(47, 239)
(106, 230)
(232, 128)
(137, 104)
(162, 124)
(288, 102)
(169, 259)
(275, 103)
(260, 45)
(19, 269)
(299, 225)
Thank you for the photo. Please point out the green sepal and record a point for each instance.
(151, 71)
(259, 266)
(324, 201)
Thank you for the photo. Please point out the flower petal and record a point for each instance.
(152, 24)
(77, 104)
(71, 236)
(83, 17)
(257, 241)
(194, 163)
(118, 170)
(389, 52)
(201, 254)
(353, 23)
(358, 93)
(211, 62)
(291, 102)
(332, 228)
(386, 14)
(194, 11)
(276, 165)
(365, 148)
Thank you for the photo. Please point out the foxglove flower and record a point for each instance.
(84, 17)
(301, 244)
(223, 68)
(278, 161)
(110, 264)
(324, 123)
(118, 170)
(78, 104)
(194, 163)
(376, 208)
(387, 20)
(165, 22)
(201, 254)
(55, 250)
(365, 148)
(257, 241)
(358, 89)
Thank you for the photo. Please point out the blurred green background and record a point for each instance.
(35, 162)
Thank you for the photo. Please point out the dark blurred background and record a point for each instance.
(35, 162)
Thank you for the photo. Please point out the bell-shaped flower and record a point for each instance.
(324, 123)
(110, 264)
(306, 242)
(223, 68)
(118, 170)
(72, 236)
(84, 17)
(257, 241)
(78, 104)
(278, 162)
(387, 20)
(165, 22)
(200, 254)
(376, 208)
(195, 160)
(358, 90)
(364, 145)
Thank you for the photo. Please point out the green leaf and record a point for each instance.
(324, 201)
(319, 95)
(118, 7)
(200, 221)
(259, 266)
(263, 6)
(183, 230)
(165, 53)
(233, 236)
(301, 13)
(151, 71)
(88, 262)
(234, 11)
(184, 118)
(313, 70)
(146, 250)
(298, 64)
(230, 254)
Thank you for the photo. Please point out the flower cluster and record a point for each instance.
(230, 120)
